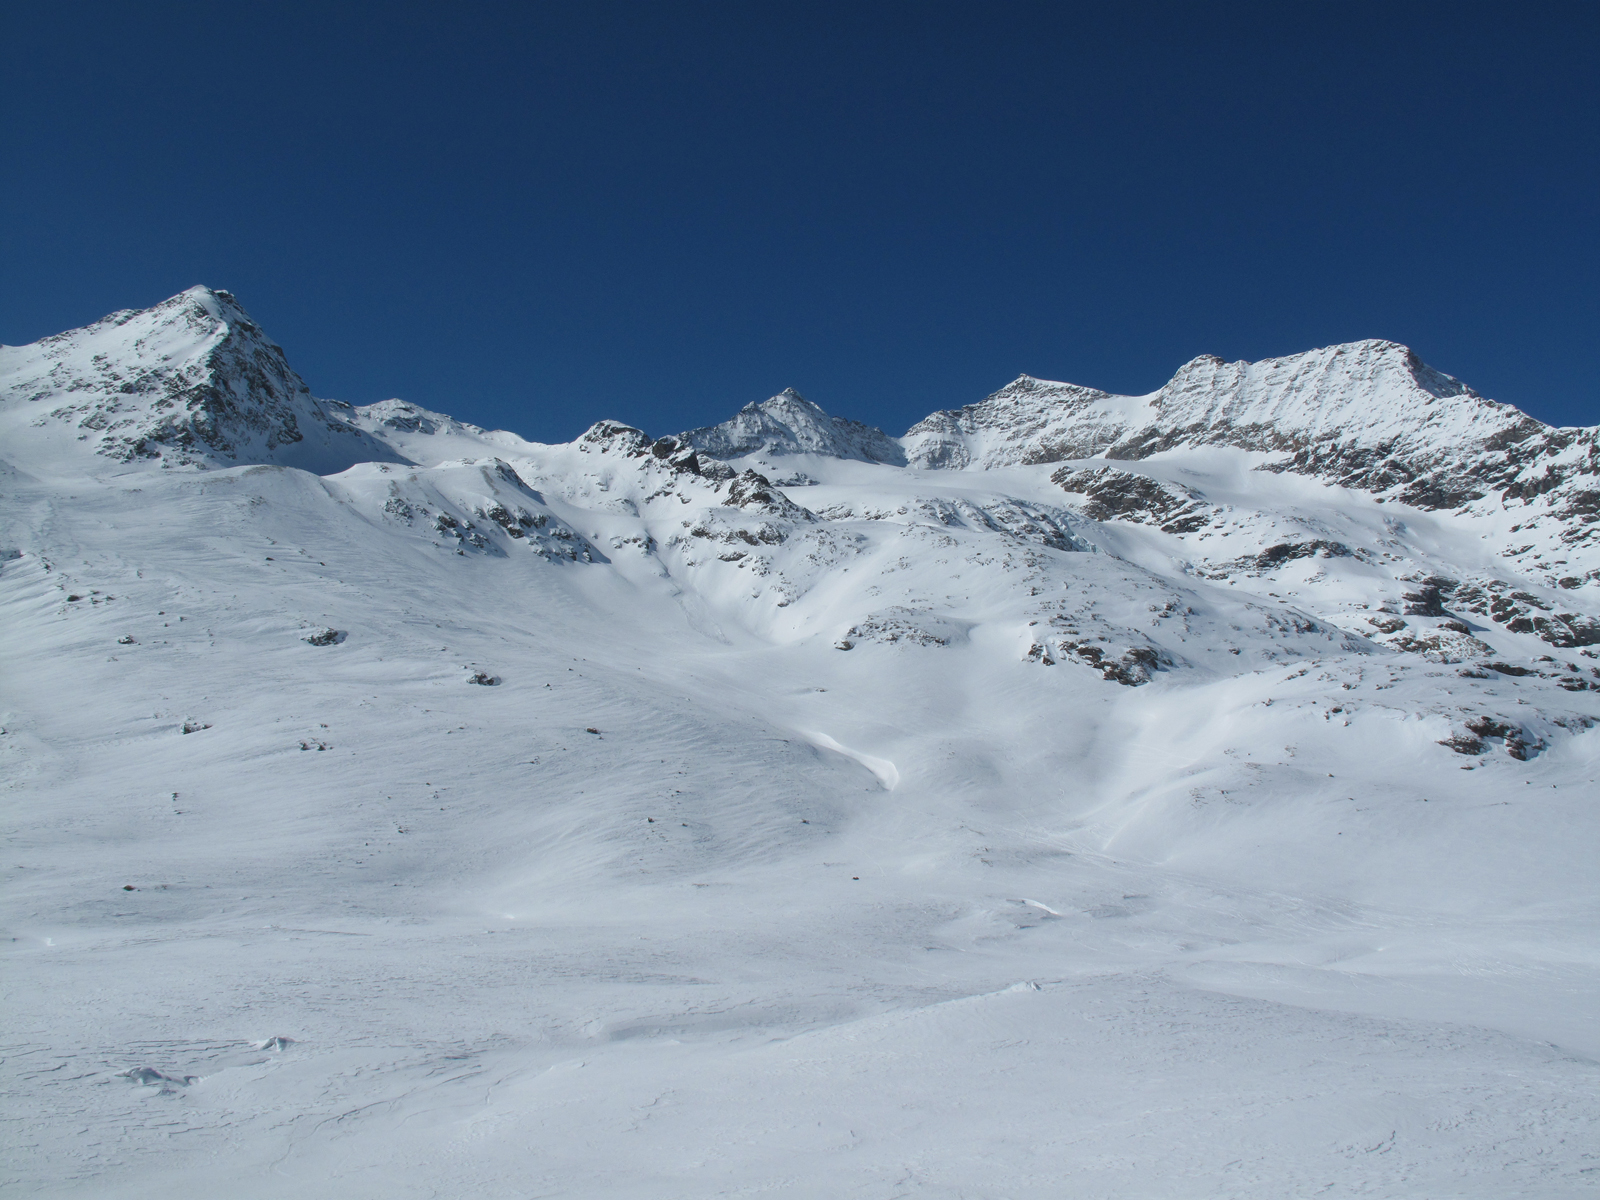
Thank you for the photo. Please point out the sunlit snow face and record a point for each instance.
(624, 816)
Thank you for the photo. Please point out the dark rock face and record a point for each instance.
(1513, 468)
(1426, 601)
(677, 453)
(1519, 743)
(755, 493)
(613, 437)
(1567, 630)
(1115, 495)
(1134, 666)
(1517, 610)
(1274, 557)
(1367, 415)
(192, 382)
(900, 626)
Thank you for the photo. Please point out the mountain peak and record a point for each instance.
(192, 381)
(788, 423)
(1368, 414)
(1367, 385)
(787, 400)
(1028, 420)
(206, 295)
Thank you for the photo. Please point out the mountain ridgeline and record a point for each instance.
(194, 384)
(1079, 795)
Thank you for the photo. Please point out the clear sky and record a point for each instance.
(535, 215)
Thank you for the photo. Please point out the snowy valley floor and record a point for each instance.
(674, 910)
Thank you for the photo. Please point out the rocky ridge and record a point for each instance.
(1369, 415)
(192, 382)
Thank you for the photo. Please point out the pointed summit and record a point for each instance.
(190, 382)
(788, 399)
(788, 423)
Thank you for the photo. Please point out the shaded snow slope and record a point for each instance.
(663, 817)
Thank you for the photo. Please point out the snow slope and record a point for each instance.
(744, 812)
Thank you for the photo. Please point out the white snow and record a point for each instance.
(694, 902)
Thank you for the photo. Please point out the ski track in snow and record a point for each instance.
(296, 908)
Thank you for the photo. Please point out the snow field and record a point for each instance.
(487, 819)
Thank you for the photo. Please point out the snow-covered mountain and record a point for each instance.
(1368, 415)
(192, 382)
(1077, 795)
(788, 423)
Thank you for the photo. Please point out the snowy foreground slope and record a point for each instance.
(1187, 795)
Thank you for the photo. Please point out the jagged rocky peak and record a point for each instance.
(788, 423)
(1369, 415)
(676, 453)
(190, 382)
(613, 437)
(1372, 415)
(1369, 390)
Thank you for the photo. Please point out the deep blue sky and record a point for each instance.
(532, 216)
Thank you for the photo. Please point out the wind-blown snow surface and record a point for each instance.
(818, 826)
